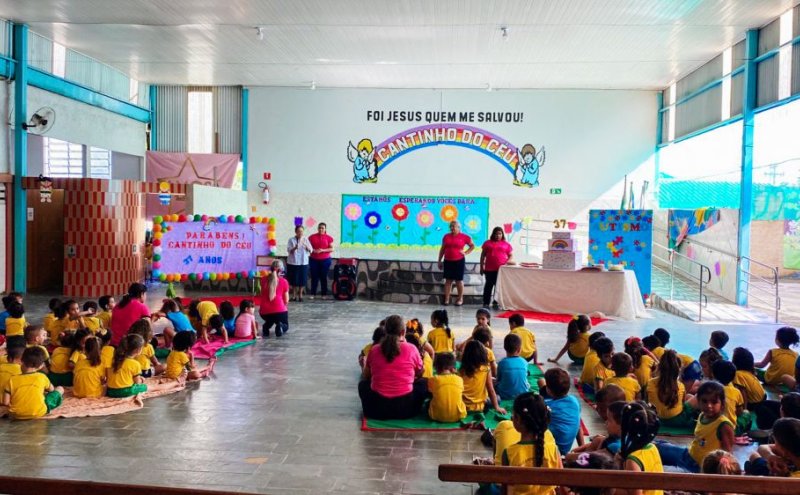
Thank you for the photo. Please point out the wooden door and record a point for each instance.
(46, 243)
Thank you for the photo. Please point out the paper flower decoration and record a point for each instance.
(473, 224)
(352, 212)
(372, 220)
(448, 213)
(400, 212)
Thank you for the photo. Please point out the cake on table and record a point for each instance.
(561, 253)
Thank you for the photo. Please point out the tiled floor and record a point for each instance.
(284, 417)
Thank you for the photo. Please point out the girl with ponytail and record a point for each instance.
(125, 374)
(639, 428)
(274, 299)
(668, 394)
(441, 337)
(537, 447)
(577, 345)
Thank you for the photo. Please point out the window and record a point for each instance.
(200, 122)
(99, 163)
(62, 159)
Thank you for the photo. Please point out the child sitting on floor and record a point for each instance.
(668, 394)
(61, 363)
(484, 336)
(621, 364)
(782, 359)
(663, 337)
(15, 322)
(447, 389)
(724, 372)
(721, 462)
(244, 327)
(124, 377)
(30, 394)
(512, 372)
(483, 318)
(441, 337)
(35, 336)
(718, 340)
(608, 443)
(477, 378)
(643, 361)
(13, 364)
(713, 431)
(537, 447)
(427, 362)
(787, 443)
(764, 461)
(577, 345)
(91, 321)
(228, 314)
(605, 397)
(565, 410)
(604, 348)
(89, 374)
(7, 300)
(516, 324)
(639, 428)
(147, 358)
(377, 335)
(106, 304)
(755, 397)
(592, 460)
(590, 362)
(414, 326)
(50, 318)
(181, 358)
(217, 324)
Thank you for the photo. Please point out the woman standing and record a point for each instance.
(297, 263)
(320, 262)
(391, 386)
(274, 297)
(452, 251)
(131, 308)
(495, 253)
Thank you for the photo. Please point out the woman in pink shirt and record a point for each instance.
(495, 253)
(391, 386)
(320, 259)
(452, 251)
(128, 311)
(273, 301)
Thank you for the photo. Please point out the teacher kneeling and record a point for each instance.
(452, 251)
(391, 385)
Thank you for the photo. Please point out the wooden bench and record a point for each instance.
(12, 485)
(756, 485)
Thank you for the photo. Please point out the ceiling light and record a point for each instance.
(260, 33)
(504, 32)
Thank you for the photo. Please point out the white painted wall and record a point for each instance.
(125, 166)
(215, 201)
(592, 140)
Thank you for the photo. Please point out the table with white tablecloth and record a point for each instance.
(616, 294)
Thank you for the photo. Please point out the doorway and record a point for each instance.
(45, 243)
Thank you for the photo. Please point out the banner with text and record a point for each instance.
(623, 237)
(408, 222)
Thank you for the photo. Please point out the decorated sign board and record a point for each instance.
(409, 222)
(623, 237)
(202, 247)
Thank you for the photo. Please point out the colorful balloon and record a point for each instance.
(158, 219)
(212, 276)
(206, 276)
(223, 219)
(156, 274)
(197, 217)
(163, 277)
(156, 257)
(156, 265)
(239, 218)
(204, 218)
(157, 227)
(192, 277)
(157, 250)
(184, 277)
(231, 219)
(181, 218)
(226, 276)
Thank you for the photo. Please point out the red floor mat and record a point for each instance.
(548, 317)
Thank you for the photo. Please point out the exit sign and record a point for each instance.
(555, 190)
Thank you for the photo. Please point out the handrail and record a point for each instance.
(12, 485)
(594, 478)
(773, 281)
(698, 243)
(700, 279)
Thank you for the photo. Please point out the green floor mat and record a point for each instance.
(423, 422)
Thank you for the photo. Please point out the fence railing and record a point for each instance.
(771, 285)
(699, 274)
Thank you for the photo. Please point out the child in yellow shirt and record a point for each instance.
(639, 427)
(441, 337)
(416, 327)
(106, 304)
(30, 394)
(621, 364)
(91, 320)
(90, 374)
(577, 344)
(516, 324)
(147, 358)
(483, 318)
(725, 372)
(181, 358)
(668, 394)
(644, 363)
(124, 377)
(61, 360)
(12, 366)
(604, 348)
(537, 447)
(50, 317)
(35, 336)
(377, 335)
(427, 361)
(590, 363)
(202, 311)
(15, 322)
(478, 386)
(787, 443)
(781, 360)
(447, 388)
(484, 336)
